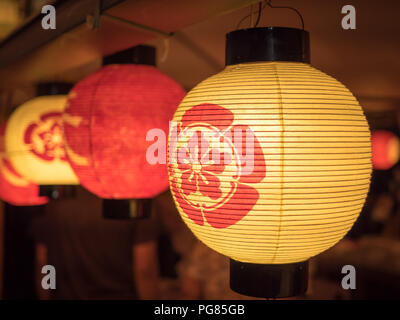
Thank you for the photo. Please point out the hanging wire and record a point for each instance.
(261, 8)
(251, 16)
(259, 14)
(290, 8)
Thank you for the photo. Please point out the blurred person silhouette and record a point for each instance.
(95, 258)
(175, 243)
(200, 273)
(392, 223)
(205, 275)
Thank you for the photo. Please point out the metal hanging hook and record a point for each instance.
(268, 3)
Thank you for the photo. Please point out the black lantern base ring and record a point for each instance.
(269, 280)
(126, 208)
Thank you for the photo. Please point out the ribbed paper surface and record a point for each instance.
(312, 162)
(106, 122)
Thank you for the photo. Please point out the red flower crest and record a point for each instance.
(211, 174)
(45, 138)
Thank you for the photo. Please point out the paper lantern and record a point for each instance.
(34, 141)
(385, 149)
(106, 122)
(14, 188)
(310, 147)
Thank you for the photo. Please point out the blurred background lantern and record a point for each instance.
(106, 122)
(311, 163)
(14, 188)
(34, 138)
(385, 149)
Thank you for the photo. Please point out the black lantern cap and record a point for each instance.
(126, 208)
(267, 44)
(141, 54)
(55, 192)
(53, 88)
(269, 280)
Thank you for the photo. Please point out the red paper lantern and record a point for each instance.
(385, 149)
(14, 188)
(107, 118)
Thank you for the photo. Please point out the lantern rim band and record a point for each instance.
(269, 280)
(125, 209)
(267, 44)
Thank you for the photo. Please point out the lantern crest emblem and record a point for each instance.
(213, 164)
(45, 137)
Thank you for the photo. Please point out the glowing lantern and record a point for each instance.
(269, 160)
(14, 188)
(385, 149)
(106, 123)
(34, 141)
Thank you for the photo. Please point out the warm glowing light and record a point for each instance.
(311, 155)
(106, 122)
(385, 149)
(14, 188)
(34, 141)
